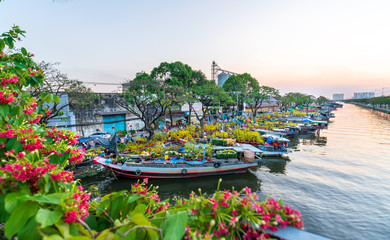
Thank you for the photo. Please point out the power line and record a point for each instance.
(103, 83)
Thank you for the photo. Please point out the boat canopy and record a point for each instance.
(316, 121)
(239, 147)
(276, 138)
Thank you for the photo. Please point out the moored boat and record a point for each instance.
(226, 160)
(177, 168)
(270, 151)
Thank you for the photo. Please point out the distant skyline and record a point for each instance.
(314, 47)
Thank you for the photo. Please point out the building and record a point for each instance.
(67, 119)
(338, 97)
(363, 95)
(266, 106)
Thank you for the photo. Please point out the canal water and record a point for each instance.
(340, 181)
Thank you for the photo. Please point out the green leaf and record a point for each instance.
(2, 44)
(19, 218)
(3, 213)
(12, 200)
(92, 223)
(47, 217)
(9, 41)
(63, 228)
(53, 237)
(53, 198)
(80, 238)
(20, 65)
(56, 99)
(18, 70)
(10, 144)
(174, 226)
(133, 198)
(4, 109)
(30, 231)
(106, 234)
(140, 219)
(24, 51)
(139, 209)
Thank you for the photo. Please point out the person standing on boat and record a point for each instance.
(318, 131)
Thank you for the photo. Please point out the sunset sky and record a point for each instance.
(317, 47)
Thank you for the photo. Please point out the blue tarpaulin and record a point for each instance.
(175, 160)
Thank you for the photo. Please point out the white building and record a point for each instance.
(338, 97)
(363, 95)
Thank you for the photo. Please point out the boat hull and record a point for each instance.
(141, 170)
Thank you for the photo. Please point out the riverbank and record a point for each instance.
(385, 110)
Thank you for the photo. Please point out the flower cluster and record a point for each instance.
(77, 206)
(13, 79)
(27, 137)
(36, 73)
(23, 172)
(57, 135)
(236, 215)
(31, 107)
(7, 95)
(76, 155)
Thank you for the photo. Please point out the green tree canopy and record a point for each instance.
(148, 100)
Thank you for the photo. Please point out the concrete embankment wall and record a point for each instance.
(385, 110)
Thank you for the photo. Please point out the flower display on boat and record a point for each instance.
(227, 153)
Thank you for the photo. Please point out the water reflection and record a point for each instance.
(308, 139)
(107, 183)
(275, 164)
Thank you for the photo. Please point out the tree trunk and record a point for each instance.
(170, 117)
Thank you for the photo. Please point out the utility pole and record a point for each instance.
(236, 92)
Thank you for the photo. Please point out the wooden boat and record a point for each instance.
(180, 169)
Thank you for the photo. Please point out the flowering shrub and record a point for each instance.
(222, 142)
(35, 190)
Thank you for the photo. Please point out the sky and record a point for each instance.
(317, 47)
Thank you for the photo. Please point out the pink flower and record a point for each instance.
(146, 180)
(234, 212)
(233, 221)
(194, 211)
(9, 152)
(20, 155)
(257, 207)
(223, 203)
(71, 217)
(226, 194)
(248, 190)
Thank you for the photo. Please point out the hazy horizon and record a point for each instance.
(314, 47)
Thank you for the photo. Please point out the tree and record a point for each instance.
(258, 97)
(60, 85)
(177, 79)
(148, 100)
(295, 99)
(241, 86)
(322, 99)
(209, 94)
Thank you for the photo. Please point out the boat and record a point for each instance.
(274, 146)
(183, 168)
(270, 151)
